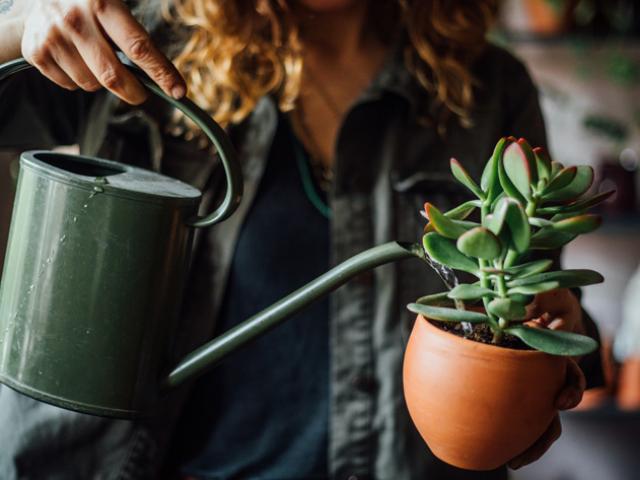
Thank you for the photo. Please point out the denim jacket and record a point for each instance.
(388, 162)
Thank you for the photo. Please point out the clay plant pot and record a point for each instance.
(477, 406)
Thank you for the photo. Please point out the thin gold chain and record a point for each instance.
(322, 171)
(324, 93)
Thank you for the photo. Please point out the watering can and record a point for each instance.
(94, 274)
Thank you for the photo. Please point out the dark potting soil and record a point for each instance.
(482, 333)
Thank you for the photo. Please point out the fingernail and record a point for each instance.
(178, 91)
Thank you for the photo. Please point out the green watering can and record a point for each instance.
(94, 275)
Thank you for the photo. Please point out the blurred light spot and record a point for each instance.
(629, 159)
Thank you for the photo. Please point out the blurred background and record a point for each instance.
(584, 56)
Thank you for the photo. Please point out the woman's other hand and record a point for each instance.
(71, 43)
(558, 310)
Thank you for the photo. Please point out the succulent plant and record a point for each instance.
(526, 202)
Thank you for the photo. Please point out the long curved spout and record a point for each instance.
(206, 356)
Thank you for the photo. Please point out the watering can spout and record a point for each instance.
(208, 355)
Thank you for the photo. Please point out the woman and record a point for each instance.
(345, 113)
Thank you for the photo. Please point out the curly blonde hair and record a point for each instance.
(237, 51)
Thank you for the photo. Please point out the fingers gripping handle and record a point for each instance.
(203, 120)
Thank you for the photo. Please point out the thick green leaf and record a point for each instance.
(507, 185)
(444, 251)
(578, 186)
(531, 158)
(464, 178)
(463, 210)
(496, 200)
(540, 222)
(495, 221)
(434, 299)
(479, 242)
(507, 308)
(555, 342)
(552, 210)
(579, 224)
(561, 179)
(550, 239)
(534, 288)
(447, 314)
(519, 167)
(460, 212)
(562, 216)
(589, 202)
(444, 225)
(489, 180)
(565, 278)
(543, 163)
(555, 168)
(530, 268)
(522, 299)
(470, 291)
(518, 223)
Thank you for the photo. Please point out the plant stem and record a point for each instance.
(502, 285)
(484, 280)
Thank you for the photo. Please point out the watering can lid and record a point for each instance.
(110, 178)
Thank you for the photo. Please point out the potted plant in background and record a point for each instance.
(480, 382)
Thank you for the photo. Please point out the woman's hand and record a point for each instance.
(559, 310)
(71, 43)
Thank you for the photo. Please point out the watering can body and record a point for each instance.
(94, 271)
(92, 283)
(94, 274)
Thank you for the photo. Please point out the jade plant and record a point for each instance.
(526, 203)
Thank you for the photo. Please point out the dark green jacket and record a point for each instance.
(388, 163)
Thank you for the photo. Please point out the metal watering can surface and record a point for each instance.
(94, 274)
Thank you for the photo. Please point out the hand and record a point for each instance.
(558, 309)
(69, 41)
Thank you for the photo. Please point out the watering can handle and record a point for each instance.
(214, 132)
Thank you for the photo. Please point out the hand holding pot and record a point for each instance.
(558, 310)
(70, 42)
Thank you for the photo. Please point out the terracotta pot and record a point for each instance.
(476, 405)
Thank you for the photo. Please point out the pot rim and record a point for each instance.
(480, 348)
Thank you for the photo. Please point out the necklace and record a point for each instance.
(324, 93)
(307, 181)
(322, 171)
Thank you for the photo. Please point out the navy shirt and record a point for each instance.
(263, 412)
